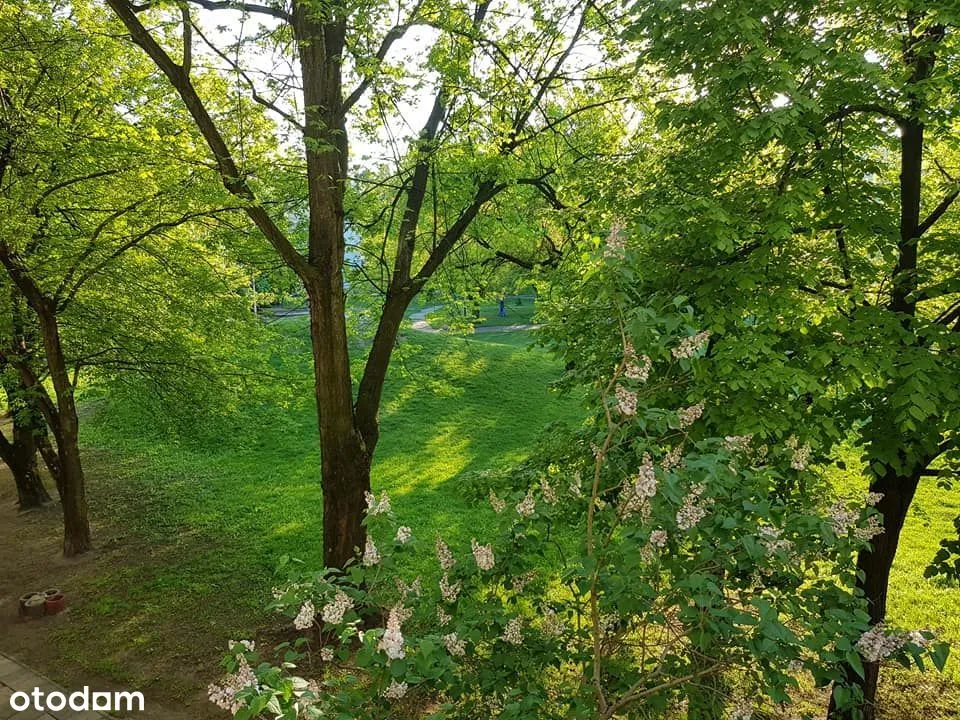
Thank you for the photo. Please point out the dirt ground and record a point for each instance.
(31, 559)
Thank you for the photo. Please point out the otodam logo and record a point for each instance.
(79, 701)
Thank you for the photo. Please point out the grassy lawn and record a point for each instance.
(202, 521)
(489, 315)
(191, 522)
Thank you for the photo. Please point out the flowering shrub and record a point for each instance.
(645, 569)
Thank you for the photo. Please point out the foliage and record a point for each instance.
(645, 571)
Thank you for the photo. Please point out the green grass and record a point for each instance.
(193, 519)
(200, 522)
(913, 601)
(489, 315)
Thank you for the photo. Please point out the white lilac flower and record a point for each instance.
(873, 498)
(772, 542)
(444, 556)
(575, 485)
(403, 535)
(870, 530)
(391, 642)
(635, 368)
(742, 710)
(658, 538)
(326, 654)
(375, 506)
(483, 554)
(442, 617)
(395, 691)
(527, 506)
(406, 590)
(305, 617)
(737, 443)
(626, 401)
(636, 496)
(801, 458)
(551, 624)
(673, 459)
(688, 416)
(496, 503)
(616, 241)
(521, 581)
(689, 346)
(877, 644)
(548, 492)
(334, 610)
(248, 645)
(513, 632)
(449, 591)
(693, 509)
(371, 556)
(224, 695)
(454, 645)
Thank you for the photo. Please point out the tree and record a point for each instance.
(79, 195)
(803, 203)
(496, 72)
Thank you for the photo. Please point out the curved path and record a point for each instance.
(420, 323)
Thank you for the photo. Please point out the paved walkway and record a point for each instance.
(15, 677)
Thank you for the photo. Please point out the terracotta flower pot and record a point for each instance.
(35, 607)
(24, 598)
(50, 592)
(55, 603)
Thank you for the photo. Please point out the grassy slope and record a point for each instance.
(207, 520)
(489, 315)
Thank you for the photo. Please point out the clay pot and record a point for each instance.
(35, 607)
(25, 598)
(50, 592)
(55, 603)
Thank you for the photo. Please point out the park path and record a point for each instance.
(15, 677)
(418, 318)
(420, 323)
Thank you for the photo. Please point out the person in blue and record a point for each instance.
(503, 307)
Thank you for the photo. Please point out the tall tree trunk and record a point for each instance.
(66, 426)
(873, 565)
(898, 489)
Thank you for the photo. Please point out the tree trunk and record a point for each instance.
(873, 566)
(21, 457)
(66, 427)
